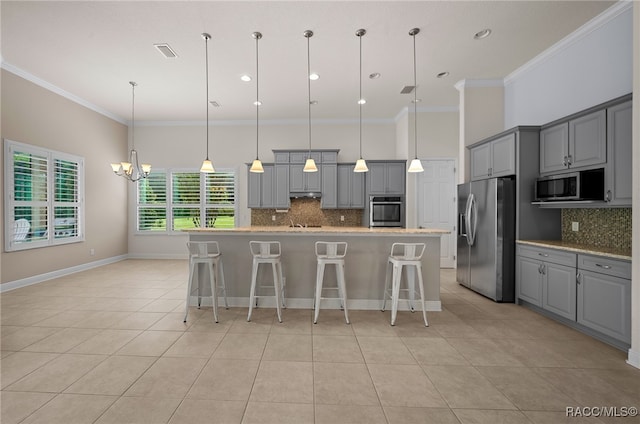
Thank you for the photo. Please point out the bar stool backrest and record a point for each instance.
(203, 249)
(408, 251)
(331, 250)
(265, 249)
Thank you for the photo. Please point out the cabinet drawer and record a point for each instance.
(605, 265)
(548, 255)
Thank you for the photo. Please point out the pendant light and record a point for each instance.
(361, 165)
(416, 165)
(132, 170)
(310, 164)
(207, 166)
(256, 166)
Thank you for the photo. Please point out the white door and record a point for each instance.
(437, 204)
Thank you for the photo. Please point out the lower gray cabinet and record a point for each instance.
(529, 277)
(559, 290)
(350, 187)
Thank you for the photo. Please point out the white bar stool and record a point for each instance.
(206, 253)
(267, 252)
(330, 253)
(409, 255)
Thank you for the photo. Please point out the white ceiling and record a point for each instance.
(92, 49)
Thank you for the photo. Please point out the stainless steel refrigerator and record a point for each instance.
(486, 237)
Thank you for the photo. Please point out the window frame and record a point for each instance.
(170, 205)
(51, 204)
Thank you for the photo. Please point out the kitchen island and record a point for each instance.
(365, 267)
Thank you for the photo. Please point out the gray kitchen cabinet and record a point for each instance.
(529, 278)
(350, 187)
(386, 177)
(300, 181)
(496, 158)
(267, 184)
(619, 169)
(270, 189)
(281, 186)
(604, 296)
(254, 189)
(559, 289)
(580, 142)
(329, 198)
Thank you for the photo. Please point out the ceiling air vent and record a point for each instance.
(166, 50)
(407, 89)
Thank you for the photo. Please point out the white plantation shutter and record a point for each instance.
(152, 202)
(220, 200)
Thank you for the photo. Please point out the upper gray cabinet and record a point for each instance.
(618, 173)
(580, 142)
(350, 187)
(496, 158)
(386, 177)
(329, 198)
(270, 189)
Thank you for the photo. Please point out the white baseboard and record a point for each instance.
(184, 256)
(634, 358)
(16, 284)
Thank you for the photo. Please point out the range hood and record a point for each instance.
(305, 195)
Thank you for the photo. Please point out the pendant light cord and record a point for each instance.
(360, 98)
(309, 88)
(206, 55)
(133, 115)
(415, 99)
(257, 95)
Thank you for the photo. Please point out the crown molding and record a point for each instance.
(478, 83)
(594, 24)
(426, 109)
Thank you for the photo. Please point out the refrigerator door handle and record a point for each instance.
(467, 219)
(462, 227)
(472, 220)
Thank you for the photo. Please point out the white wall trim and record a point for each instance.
(426, 109)
(36, 279)
(268, 122)
(594, 24)
(184, 256)
(59, 91)
(634, 358)
(478, 83)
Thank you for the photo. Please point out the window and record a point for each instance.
(44, 197)
(175, 200)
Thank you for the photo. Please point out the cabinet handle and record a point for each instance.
(603, 266)
(540, 269)
(543, 269)
(578, 278)
(608, 196)
(565, 161)
(570, 160)
(544, 255)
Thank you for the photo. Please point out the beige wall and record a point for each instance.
(36, 116)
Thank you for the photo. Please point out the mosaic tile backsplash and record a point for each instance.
(307, 212)
(598, 227)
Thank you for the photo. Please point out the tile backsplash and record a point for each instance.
(609, 227)
(307, 211)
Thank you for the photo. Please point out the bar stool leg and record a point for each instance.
(319, 281)
(342, 289)
(189, 283)
(411, 282)
(387, 281)
(252, 292)
(395, 287)
(214, 295)
(283, 284)
(421, 286)
(277, 288)
(223, 283)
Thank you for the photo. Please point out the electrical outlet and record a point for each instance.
(92, 252)
(575, 226)
(273, 217)
(342, 218)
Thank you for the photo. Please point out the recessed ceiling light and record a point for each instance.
(314, 102)
(257, 103)
(245, 78)
(375, 75)
(314, 77)
(214, 103)
(443, 74)
(166, 50)
(362, 101)
(482, 34)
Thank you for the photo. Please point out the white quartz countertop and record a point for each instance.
(581, 248)
(323, 230)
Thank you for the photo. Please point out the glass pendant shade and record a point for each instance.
(361, 166)
(310, 166)
(256, 166)
(415, 166)
(207, 166)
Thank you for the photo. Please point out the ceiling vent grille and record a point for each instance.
(407, 89)
(166, 50)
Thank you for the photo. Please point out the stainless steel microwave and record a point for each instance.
(573, 186)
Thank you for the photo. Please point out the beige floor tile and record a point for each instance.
(57, 375)
(385, 350)
(377, 327)
(526, 389)
(549, 417)
(29, 316)
(483, 352)
(150, 343)
(225, 379)
(416, 328)
(353, 414)
(261, 321)
(195, 345)
(433, 351)
(101, 319)
(536, 353)
(456, 329)
(63, 340)
(66, 318)
(478, 416)
(162, 305)
(113, 376)
(138, 321)
(106, 342)
(465, 387)
(71, 409)
(25, 336)
(137, 410)
(282, 413)
(15, 406)
(278, 381)
(241, 346)
(128, 305)
(193, 411)
(19, 364)
(330, 325)
(343, 384)
(498, 329)
(336, 349)
(294, 321)
(288, 347)
(404, 385)
(173, 321)
(403, 415)
(168, 378)
(6, 330)
(627, 380)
